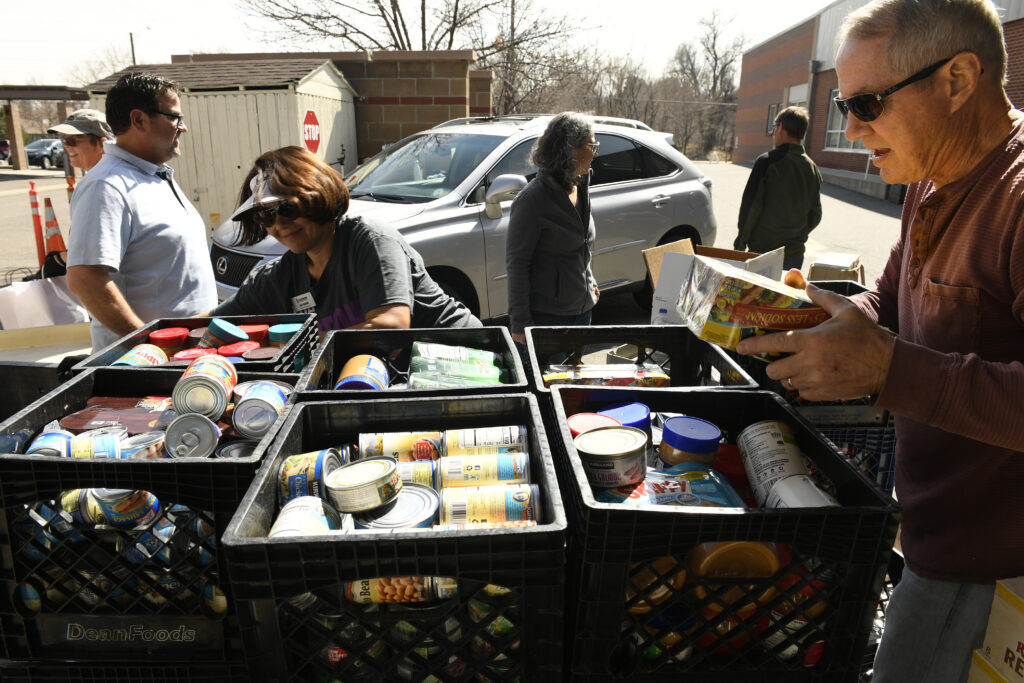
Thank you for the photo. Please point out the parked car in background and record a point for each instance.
(5, 150)
(47, 152)
(449, 189)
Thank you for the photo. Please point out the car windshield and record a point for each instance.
(421, 168)
(38, 144)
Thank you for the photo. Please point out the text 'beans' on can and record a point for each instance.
(363, 372)
(401, 589)
(484, 470)
(402, 446)
(56, 442)
(104, 442)
(259, 409)
(798, 491)
(145, 446)
(142, 355)
(191, 436)
(423, 472)
(205, 387)
(221, 333)
(770, 453)
(483, 504)
(613, 456)
(123, 507)
(236, 449)
(485, 440)
(304, 474)
(364, 484)
(415, 507)
(305, 516)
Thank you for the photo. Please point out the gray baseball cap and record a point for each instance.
(84, 122)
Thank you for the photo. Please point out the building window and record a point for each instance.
(835, 134)
(773, 109)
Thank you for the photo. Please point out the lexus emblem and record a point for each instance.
(221, 265)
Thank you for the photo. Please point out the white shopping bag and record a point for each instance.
(40, 303)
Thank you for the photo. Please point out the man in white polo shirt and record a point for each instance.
(137, 247)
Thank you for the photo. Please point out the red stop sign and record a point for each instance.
(311, 131)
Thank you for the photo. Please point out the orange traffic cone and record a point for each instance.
(37, 223)
(54, 240)
(71, 186)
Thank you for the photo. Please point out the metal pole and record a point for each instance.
(131, 39)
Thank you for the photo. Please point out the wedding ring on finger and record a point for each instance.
(789, 383)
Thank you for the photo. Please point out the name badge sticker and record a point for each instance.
(303, 303)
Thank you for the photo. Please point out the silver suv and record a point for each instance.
(448, 191)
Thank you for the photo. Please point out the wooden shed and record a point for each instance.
(237, 110)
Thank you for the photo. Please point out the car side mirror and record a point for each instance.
(504, 188)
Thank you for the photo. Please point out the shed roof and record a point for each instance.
(227, 75)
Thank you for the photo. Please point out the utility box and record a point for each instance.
(237, 110)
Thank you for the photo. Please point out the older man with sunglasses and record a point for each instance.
(922, 82)
(82, 134)
(137, 247)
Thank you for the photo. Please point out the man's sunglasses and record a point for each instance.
(265, 217)
(867, 106)
(72, 140)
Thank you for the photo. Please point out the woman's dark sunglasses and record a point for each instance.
(265, 217)
(867, 106)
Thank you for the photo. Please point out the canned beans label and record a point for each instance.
(486, 504)
(390, 589)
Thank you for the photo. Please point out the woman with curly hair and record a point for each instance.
(349, 271)
(551, 232)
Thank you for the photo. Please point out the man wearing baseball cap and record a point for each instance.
(82, 134)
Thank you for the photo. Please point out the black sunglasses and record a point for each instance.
(265, 217)
(867, 106)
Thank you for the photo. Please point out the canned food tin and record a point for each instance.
(280, 335)
(236, 449)
(256, 332)
(145, 446)
(402, 446)
(206, 387)
(123, 507)
(170, 339)
(484, 470)
(75, 502)
(152, 544)
(262, 353)
(484, 504)
(193, 353)
(191, 436)
(613, 456)
(163, 586)
(237, 349)
(243, 387)
(363, 372)
(798, 491)
(305, 516)
(142, 355)
(55, 442)
(414, 508)
(769, 453)
(688, 483)
(426, 641)
(515, 524)
(258, 409)
(221, 333)
(420, 472)
(304, 474)
(401, 589)
(98, 443)
(485, 440)
(584, 422)
(194, 335)
(364, 484)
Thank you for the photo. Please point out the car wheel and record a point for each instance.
(644, 296)
(46, 163)
(452, 285)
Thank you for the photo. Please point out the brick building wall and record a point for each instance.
(480, 89)
(765, 74)
(1014, 32)
(821, 98)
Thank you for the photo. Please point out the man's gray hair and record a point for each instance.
(922, 32)
(554, 151)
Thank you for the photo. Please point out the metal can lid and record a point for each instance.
(361, 472)
(142, 440)
(222, 329)
(236, 449)
(242, 388)
(262, 353)
(283, 332)
(416, 506)
(691, 434)
(238, 348)
(117, 431)
(202, 395)
(169, 337)
(630, 415)
(584, 422)
(191, 436)
(611, 442)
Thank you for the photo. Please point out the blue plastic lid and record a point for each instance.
(630, 415)
(222, 329)
(235, 359)
(283, 332)
(691, 434)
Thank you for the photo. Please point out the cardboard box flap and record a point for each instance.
(839, 261)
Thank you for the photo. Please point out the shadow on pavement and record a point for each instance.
(863, 201)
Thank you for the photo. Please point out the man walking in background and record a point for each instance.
(782, 199)
(137, 249)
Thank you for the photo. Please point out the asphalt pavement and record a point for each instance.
(18, 251)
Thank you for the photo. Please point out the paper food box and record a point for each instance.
(1004, 638)
(723, 304)
(982, 670)
(836, 266)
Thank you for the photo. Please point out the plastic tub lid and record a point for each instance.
(262, 353)
(169, 337)
(222, 329)
(284, 331)
(630, 415)
(691, 434)
(192, 354)
(584, 422)
(255, 332)
(238, 348)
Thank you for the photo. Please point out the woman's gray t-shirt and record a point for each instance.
(370, 266)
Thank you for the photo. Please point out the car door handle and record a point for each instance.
(659, 200)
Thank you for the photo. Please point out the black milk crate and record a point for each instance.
(736, 639)
(873, 449)
(394, 347)
(122, 672)
(289, 638)
(24, 383)
(83, 575)
(291, 358)
(688, 361)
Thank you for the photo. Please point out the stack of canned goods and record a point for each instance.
(201, 401)
(237, 343)
(118, 549)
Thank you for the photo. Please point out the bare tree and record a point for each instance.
(99, 65)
